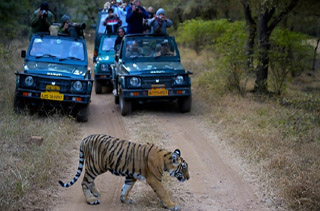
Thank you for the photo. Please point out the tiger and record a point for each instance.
(101, 153)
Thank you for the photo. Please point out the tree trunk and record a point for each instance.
(251, 34)
(263, 46)
(315, 55)
(265, 28)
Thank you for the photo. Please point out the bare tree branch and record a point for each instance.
(278, 19)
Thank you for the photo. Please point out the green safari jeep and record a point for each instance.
(104, 61)
(148, 68)
(55, 74)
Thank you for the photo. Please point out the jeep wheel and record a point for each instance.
(109, 88)
(184, 104)
(82, 113)
(18, 105)
(116, 100)
(98, 87)
(125, 105)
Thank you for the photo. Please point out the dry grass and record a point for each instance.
(27, 171)
(278, 136)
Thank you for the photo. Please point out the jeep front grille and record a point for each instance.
(147, 82)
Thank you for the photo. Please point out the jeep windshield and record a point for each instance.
(149, 47)
(62, 49)
(108, 43)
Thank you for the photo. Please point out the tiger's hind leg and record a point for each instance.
(126, 188)
(89, 189)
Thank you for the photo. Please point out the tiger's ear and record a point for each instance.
(175, 155)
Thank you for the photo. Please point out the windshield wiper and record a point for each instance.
(46, 55)
(70, 57)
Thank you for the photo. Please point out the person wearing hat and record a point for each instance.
(160, 23)
(65, 21)
(41, 19)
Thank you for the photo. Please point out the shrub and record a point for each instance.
(232, 58)
(199, 34)
(289, 54)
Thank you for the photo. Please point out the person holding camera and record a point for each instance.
(41, 19)
(65, 22)
(160, 23)
(135, 15)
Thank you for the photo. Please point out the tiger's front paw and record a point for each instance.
(172, 206)
(93, 201)
(126, 200)
(175, 208)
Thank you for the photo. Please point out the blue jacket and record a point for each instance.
(135, 20)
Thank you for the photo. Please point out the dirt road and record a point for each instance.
(216, 181)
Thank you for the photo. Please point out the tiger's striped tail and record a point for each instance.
(76, 177)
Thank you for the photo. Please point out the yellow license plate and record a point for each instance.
(52, 96)
(158, 92)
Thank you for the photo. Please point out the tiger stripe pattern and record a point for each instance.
(102, 153)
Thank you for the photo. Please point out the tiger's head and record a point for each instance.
(177, 166)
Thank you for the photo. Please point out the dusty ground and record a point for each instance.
(217, 181)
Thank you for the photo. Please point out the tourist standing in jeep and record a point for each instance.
(135, 15)
(160, 23)
(41, 19)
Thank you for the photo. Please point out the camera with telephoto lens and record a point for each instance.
(76, 29)
(137, 9)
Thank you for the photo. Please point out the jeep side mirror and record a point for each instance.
(23, 54)
(189, 72)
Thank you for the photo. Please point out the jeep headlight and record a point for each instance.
(179, 79)
(103, 67)
(134, 81)
(28, 81)
(77, 86)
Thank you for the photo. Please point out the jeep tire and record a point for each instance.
(125, 105)
(109, 88)
(184, 104)
(98, 87)
(82, 113)
(18, 105)
(116, 99)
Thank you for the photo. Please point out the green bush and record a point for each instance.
(290, 54)
(227, 40)
(199, 34)
(232, 58)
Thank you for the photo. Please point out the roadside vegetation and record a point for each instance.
(278, 133)
(27, 169)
